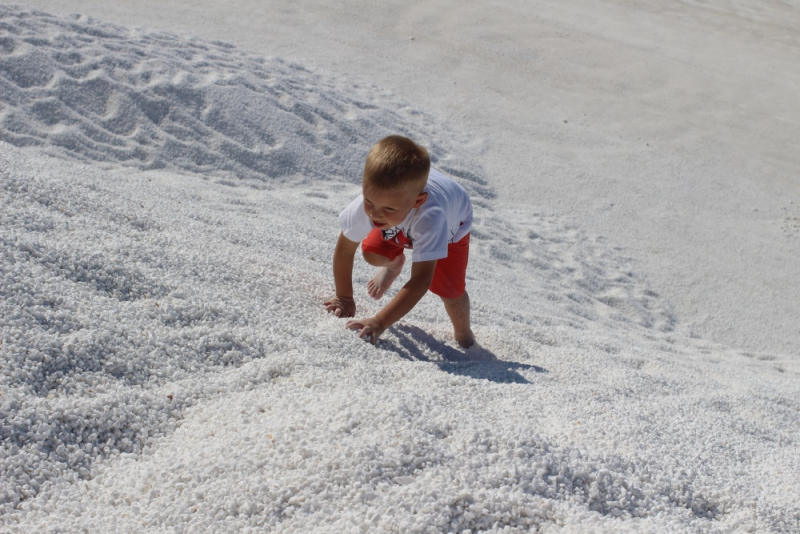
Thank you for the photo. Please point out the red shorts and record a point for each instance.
(449, 278)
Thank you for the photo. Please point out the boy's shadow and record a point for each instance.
(477, 362)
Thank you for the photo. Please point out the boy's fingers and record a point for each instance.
(368, 334)
(338, 312)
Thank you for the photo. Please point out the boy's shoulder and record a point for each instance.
(446, 198)
(438, 176)
(447, 184)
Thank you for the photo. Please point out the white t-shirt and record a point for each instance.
(445, 217)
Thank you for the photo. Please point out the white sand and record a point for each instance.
(168, 216)
(680, 141)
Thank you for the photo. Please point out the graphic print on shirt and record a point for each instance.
(396, 235)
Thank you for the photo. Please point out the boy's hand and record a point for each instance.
(341, 306)
(369, 329)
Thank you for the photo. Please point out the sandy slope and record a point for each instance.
(167, 365)
(670, 130)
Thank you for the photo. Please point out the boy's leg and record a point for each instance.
(458, 310)
(386, 275)
(388, 256)
(449, 280)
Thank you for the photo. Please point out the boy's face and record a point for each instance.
(387, 208)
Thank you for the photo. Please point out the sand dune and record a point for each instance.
(168, 216)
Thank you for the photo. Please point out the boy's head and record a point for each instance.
(395, 163)
(395, 176)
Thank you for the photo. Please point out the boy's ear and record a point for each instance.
(420, 200)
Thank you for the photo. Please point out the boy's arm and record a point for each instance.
(343, 305)
(401, 304)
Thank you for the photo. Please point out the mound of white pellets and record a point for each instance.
(168, 218)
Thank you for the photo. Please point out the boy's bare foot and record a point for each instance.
(465, 339)
(385, 276)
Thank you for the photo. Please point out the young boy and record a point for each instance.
(405, 204)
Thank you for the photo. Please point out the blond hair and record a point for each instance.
(396, 162)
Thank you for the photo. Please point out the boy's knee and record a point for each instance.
(376, 260)
(447, 301)
(454, 301)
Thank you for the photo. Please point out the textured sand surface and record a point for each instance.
(168, 216)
